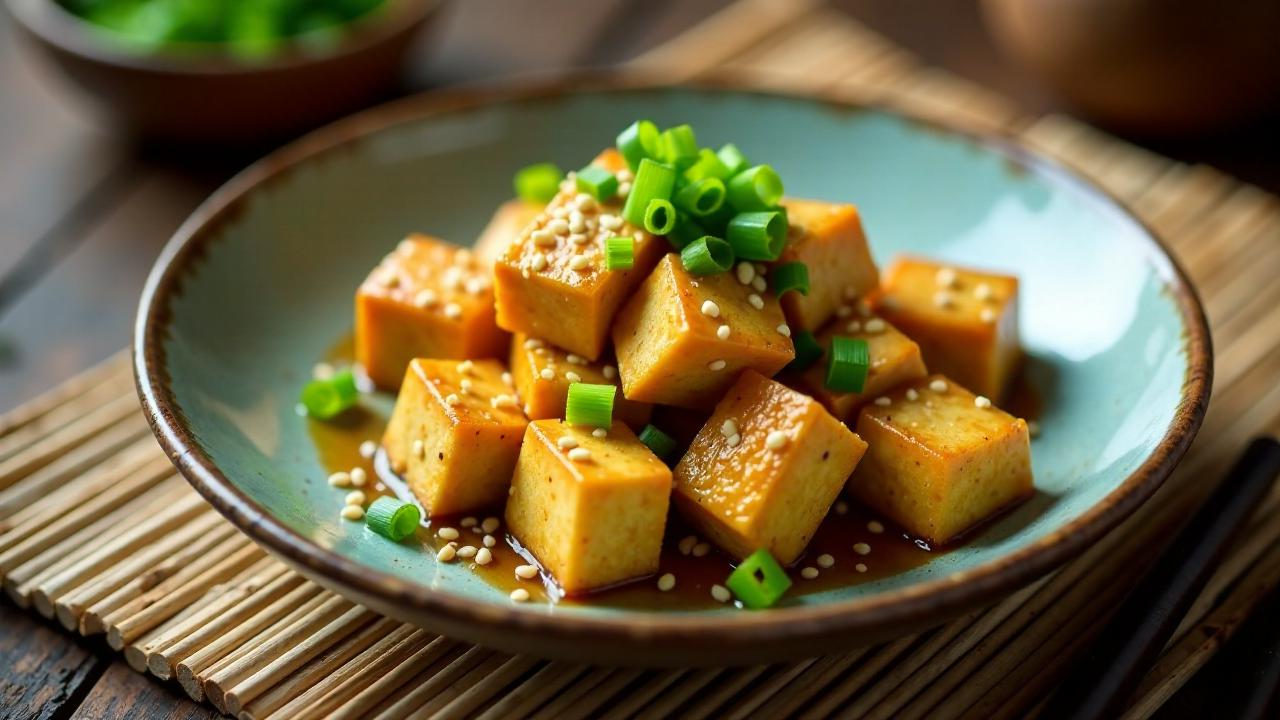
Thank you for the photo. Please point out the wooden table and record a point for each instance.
(84, 212)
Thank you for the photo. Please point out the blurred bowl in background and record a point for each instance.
(176, 95)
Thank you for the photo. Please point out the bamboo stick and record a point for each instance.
(733, 684)
(489, 686)
(434, 706)
(113, 370)
(67, 440)
(366, 700)
(779, 677)
(437, 681)
(29, 433)
(827, 669)
(529, 695)
(670, 701)
(133, 654)
(594, 691)
(641, 695)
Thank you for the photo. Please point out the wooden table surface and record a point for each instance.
(84, 211)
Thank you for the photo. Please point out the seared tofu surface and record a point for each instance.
(828, 238)
(504, 228)
(543, 373)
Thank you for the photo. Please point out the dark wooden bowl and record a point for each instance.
(208, 97)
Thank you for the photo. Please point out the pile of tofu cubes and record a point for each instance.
(482, 345)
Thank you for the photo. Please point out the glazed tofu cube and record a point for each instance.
(504, 228)
(426, 299)
(941, 459)
(966, 321)
(543, 373)
(895, 359)
(455, 434)
(552, 283)
(828, 239)
(682, 340)
(764, 470)
(591, 510)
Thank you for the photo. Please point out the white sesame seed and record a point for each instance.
(860, 567)
(826, 560)
(943, 299)
(453, 311)
(875, 325)
(322, 371)
(728, 427)
(850, 292)
(467, 522)
(567, 443)
(784, 330)
(946, 277)
(666, 582)
(756, 301)
(547, 374)
(1033, 428)
(716, 365)
(722, 332)
(447, 553)
(987, 315)
(533, 344)
(539, 262)
(504, 401)
(467, 551)
(862, 548)
(721, 593)
(507, 379)
(584, 202)
(358, 477)
(701, 549)
(388, 280)
(572, 376)
(610, 222)
(710, 308)
(579, 262)
(842, 507)
(519, 595)
(452, 278)
(938, 386)
(685, 546)
(484, 556)
(733, 440)
(982, 402)
(452, 399)
(476, 285)
(526, 572)
(524, 273)
(557, 226)
(447, 533)
(809, 573)
(579, 239)
(575, 359)
(610, 372)
(624, 189)
(746, 273)
(355, 497)
(982, 291)
(489, 541)
(875, 526)
(883, 402)
(844, 311)
(368, 449)
(759, 284)
(425, 298)
(776, 440)
(912, 394)
(340, 480)
(742, 519)
(352, 512)
(600, 433)
(580, 455)
(466, 366)
(465, 385)
(491, 524)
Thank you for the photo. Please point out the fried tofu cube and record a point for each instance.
(682, 340)
(455, 434)
(504, 228)
(591, 510)
(543, 373)
(764, 470)
(895, 359)
(941, 460)
(966, 321)
(828, 239)
(552, 282)
(426, 299)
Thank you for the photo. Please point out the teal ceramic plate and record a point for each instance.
(258, 284)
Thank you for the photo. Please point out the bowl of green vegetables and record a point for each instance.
(225, 71)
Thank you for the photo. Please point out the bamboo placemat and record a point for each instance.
(98, 532)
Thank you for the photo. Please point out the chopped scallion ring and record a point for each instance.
(538, 183)
(659, 442)
(808, 351)
(640, 140)
(679, 146)
(848, 364)
(708, 165)
(619, 253)
(759, 581)
(757, 235)
(597, 182)
(707, 255)
(392, 519)
(653, 181)
(685, 231)
(732, 159)
(790, 276)
(659, 216)
(589, 404)
(756, 188)
(326, 399)
(701, 197)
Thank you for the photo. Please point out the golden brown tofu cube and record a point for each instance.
(966, 321)
(552, 282)
(682, 340)
(591, 510)
(941, 459)
(828, 239)
(764, 470)
(543, 373)
(504, 228)
(426, 299)
(455, 434)
(895, 359)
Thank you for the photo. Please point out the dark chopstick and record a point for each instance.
(1104, 677)
(1251, 665)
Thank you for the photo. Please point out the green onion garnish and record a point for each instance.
(757, 235)
(732, 159)
(619, 253)
(538, 183)
(326, 399)
(759, 581)
(756, 188)
(597, 182)
(589, 404)
(654, 181)
(707, 255)
(847, 367)
(808, 351)
(708, 165)
(701, 197)
(392, 518)
(686, 231)
(789, 276)
(659, 442)
(659, 216)
(679, 146)
(640, 140)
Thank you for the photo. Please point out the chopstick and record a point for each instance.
(1250, 663)
(1104, 677)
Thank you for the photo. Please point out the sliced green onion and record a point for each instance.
(392, 518)
(757, 235)
(789, 276)
(619, 253)
(589, 404)
(708, 165)
(679, 146)
(808, 351)
(847, 367)
(759, 581)
(538, 183)
(640, 140)
(659, 442)
(597, 182)
(707, 255)
(653, 181)
(326, 399)
(756, 188)
(732, 159)
(686, 231)
(701, 197)
(659, 216)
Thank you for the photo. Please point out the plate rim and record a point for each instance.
(902, 606)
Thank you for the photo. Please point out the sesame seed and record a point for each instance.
(425, 298)
(389, 280)
(875, 325)
(452, 278)
(465, 385)
(584, 202)
(467, 522)
(729, 427)
(716, 365)
(809, 573)
(722, 332)
(759, 284)
(368, 449)
(610, 372)
(519, 595)
(860, 567)
(685, 546)
(701, 549)
(875, 526)
(466, 366)
(539, 262)
(467, 551)
(489, 541)
(507, 379)
(547, 374)
(524, 273)
(710, 308)
(533, 344)
(526, 572)
(600, 433)
(491, 524)
(504, 401)
(946, 277)
(447, 533)
(453, 311)
(419, 449)
(580, 455)
(862, 548)
(746, 273)
(842, 507)
(721, 593)
(577, 223)
(557, 226)
(476, 285)
(850, 292)
(776, 440)
(784, 330)
(579, 239)
(844, 311)
(624, 188)
(982, 402)
(572, 376)
(826, 560)
(742, 519)
(358, 477)
(883, 402)
(579, 262)
(1033, 428)
(982, 291)
(352, 512)
(610, 222)
(452, 399)
(484, 556)
(447, 553)
(733, 440)
(666, 582)
(322, 371)
(943, 299)
(756, 301)
(938, 386)
(987, 315)
(912, 394)
(575, 359)
(340, 480)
